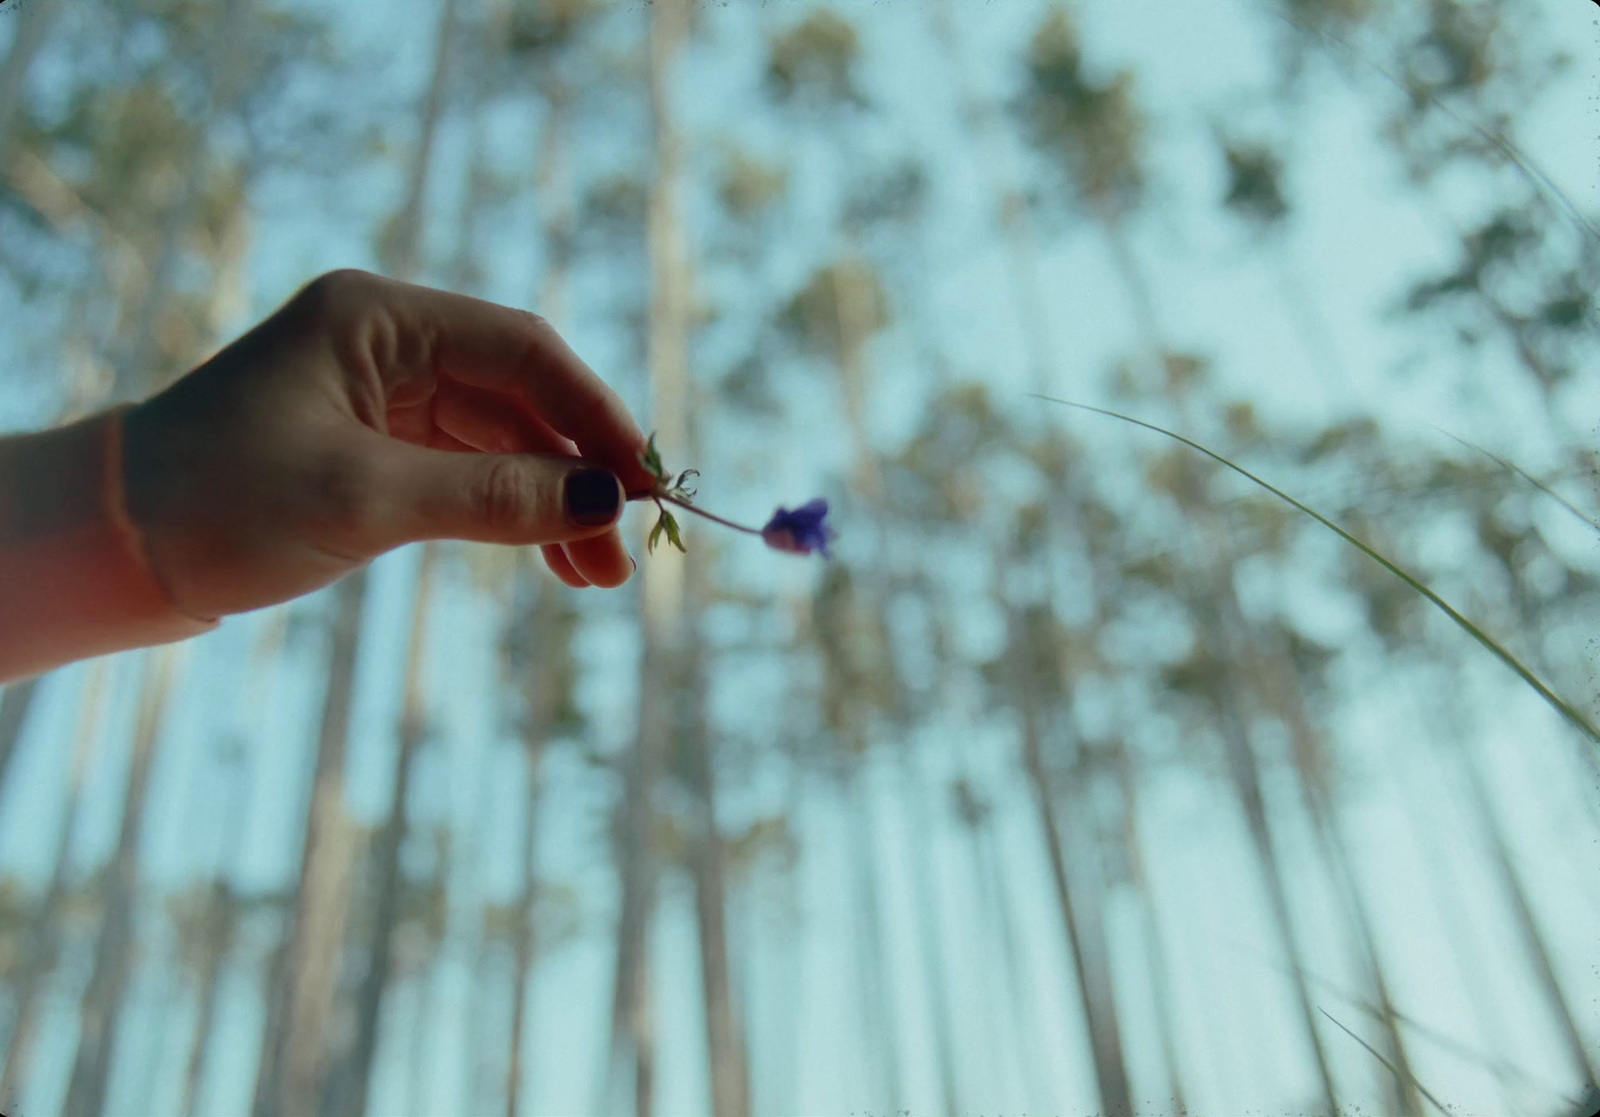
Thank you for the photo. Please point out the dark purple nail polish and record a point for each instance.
(593, 497)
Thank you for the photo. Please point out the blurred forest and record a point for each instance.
(1089, 777)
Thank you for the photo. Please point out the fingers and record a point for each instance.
(419, 493)
(602, 561)
(488, 346)
(495, 422)
(561, 566)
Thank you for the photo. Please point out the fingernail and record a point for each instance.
(593, 497)
(635, 563)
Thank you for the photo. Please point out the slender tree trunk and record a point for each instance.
(220, 918)
(1011, 209)
(386, 855)
(101, 1008)
(725, 1048)
(1216, 605)
(1273, 669)
(1246, 779)
(15, 702)
(1085, 938)
(407, 258)
(543, 702)
(632, 1039)
(1573, 1048)
(290, 1071)
(301, 978)
(417, 1057)
(925, 890)
(45, 931)
(1156, 961)
(992, 879)
(877, 1016)
(525, 945)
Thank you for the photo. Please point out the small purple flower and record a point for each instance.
(800, 531)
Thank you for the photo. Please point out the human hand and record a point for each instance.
(367, 413)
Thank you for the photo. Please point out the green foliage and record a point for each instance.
(1092, 131)
(676, 490)
(842, 303)
(748, 187)
(1255, 184)
(813, 64)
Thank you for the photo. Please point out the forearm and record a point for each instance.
(74, 580)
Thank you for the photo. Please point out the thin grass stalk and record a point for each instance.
(1561, 707)
(1394, 1070)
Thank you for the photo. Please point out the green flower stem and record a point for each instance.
(658, 496)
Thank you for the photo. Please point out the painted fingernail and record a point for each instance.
(593, 497)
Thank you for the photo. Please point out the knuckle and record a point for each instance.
(334, 290)
(505, 498)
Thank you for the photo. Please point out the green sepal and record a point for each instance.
(651, 460)
(672, 531)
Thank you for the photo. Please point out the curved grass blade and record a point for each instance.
(1531, 170)
(1526, 476)
(1423, 1090)
(1556, 702)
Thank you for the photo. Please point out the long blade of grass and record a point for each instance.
(1525, 475)
(1421, 1089)
(1526, 165)
(1497, 1065)
(1511, 661)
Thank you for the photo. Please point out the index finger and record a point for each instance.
(487, 345)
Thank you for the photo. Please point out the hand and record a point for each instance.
(367, 413)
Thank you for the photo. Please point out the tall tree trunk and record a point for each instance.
(1215, 603)
(992, 881)
(1155, 955)
(925, 891)
(543, 702)
(408, 223)
(525, 945)
(133, 360)
(221, 915)
(15, 702)
(725, 1047)
(386, 853)
(300, 984)
(1273, 671)
(290, 1071)
(1572, 1042)
(632, 1039)
(881, 1035)
(1086, 936)
(102, 1003)
(44, 932)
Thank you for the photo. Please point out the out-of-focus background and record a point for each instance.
(1088, 777)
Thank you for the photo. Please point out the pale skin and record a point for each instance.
(364, 414)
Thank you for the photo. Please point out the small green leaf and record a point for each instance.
(655, 536)
(672, 531)
(651, 460)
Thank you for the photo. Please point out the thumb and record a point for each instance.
(495, 498)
